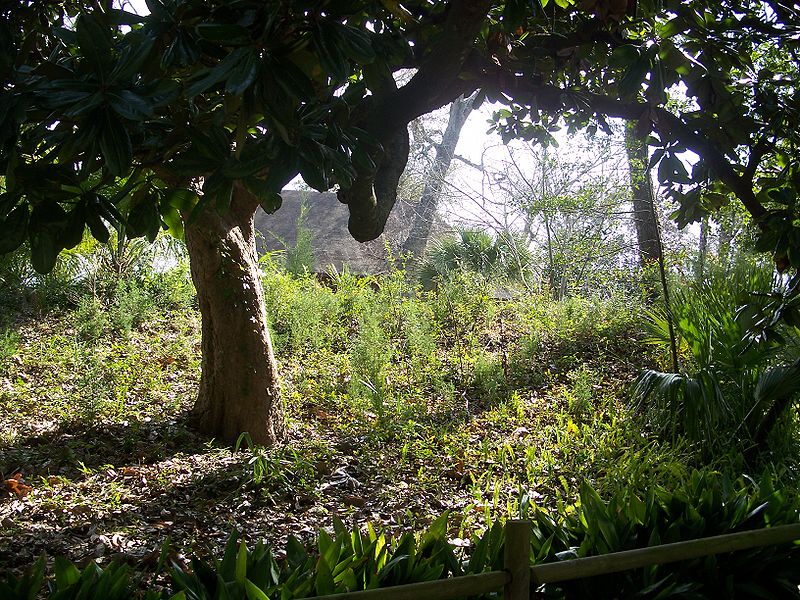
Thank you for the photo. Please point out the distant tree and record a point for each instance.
(425, 209)
(645, 219)
(568, 205)
(194, 115)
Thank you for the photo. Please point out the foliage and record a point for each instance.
(741, 382)
(482, 397)
(110, 116)
(504, 258)
(568, 207)
(708, 504)
(69, 583)
(348, 560)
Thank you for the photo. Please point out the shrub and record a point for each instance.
(737, 386)
(91, 318)
(347, 560)
(708, 504)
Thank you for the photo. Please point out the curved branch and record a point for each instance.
(437, 82)
(669, 127)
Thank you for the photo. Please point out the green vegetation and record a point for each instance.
(395, 403)
(403, 404)
(351, 559)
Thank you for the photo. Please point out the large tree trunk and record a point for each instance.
(434, 179)
(644, 216)
(239, 388)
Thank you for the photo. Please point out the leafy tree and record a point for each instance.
(194, 115)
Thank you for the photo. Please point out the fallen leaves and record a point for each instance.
(15, 485)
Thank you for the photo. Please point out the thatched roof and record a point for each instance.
(333, 245)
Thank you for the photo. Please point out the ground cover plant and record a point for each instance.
(402, 404)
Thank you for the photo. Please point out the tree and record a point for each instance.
(567, 204)
(421, 227)
(194, 115)
(644, 209)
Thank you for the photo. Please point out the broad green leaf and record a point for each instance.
(327, 44)
(212, 144)
(217, 74)
(244, 74)
(631, 81)
(13, 229)
(94, 40)
(323, 581)
(672, 27)
(130, 105)
(241, 563)
(67, 574)
(356, 44)
(182, 200)
(172, 219)
(314, 175)
(132, 58)
(252, 591)
(75, 225)
(115, 145)
(224, 34)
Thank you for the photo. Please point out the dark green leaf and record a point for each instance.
(13, 229)
(327, 45)
(132, 57)
(243, 76)
(97, 227)
(217, 74)
(130, 105)
(94, 40)
(75, 225)
(356, 44)
(324, 579)
(224, 34)
(115, 145)
(67, 574)
(144, 219)
(314, 175)
(212, 144)
(623, 56)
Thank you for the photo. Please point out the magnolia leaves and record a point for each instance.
(139, 208)
(100, 96)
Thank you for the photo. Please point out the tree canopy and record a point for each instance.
(139, 122)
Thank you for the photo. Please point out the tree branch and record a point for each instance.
(669, 127)
(437, 82)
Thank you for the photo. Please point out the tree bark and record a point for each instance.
(727, 227)
(644, 218)
(434, 179)
(239, 387)
(702, 252)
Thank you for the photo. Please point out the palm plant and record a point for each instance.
(737, 385)
(505, 257)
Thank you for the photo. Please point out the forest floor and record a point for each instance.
(109, 467)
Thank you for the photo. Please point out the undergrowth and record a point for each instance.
(402, 404)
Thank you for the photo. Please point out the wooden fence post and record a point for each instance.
(517, 560)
